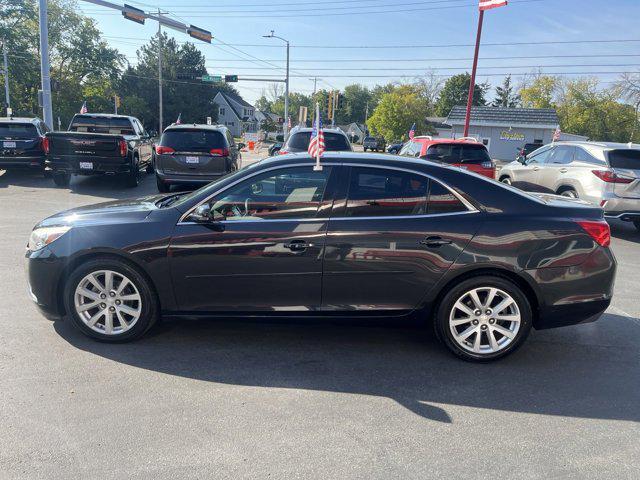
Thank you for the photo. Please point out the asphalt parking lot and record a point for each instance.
(269, 399)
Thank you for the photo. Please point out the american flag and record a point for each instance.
(316, 142)
(489, 4)
(179, 119)
(556, 134)
(83, 108)
(412, 132)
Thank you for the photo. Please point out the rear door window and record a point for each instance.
(628, 159)
(458, 153)
(441, 200)
(377, 192)
(113, 126)
(193, 140)
(18, 130)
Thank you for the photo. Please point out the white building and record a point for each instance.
(238, 115)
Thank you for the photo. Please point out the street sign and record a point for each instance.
(231, 78)
(211, 78)
(134, 14)
(200, 34)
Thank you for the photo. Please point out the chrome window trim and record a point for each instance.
(470, 208)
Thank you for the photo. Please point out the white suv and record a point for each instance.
(606, 174)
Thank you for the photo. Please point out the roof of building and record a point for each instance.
(505, 116)
(439, 122)
(229, 97)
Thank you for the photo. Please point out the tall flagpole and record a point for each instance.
(472, 83)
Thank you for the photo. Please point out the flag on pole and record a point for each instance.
(83, 108)
(316, 142)
(556, 134)
(489, 4)
(179, 119)
(289, 122)
(412, 132)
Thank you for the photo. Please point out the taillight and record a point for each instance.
(598, 230)
(219, 152)
(611, 177)
(161, 150)
(123, 148)
(487, 164)
(282, 152)
(44, 144)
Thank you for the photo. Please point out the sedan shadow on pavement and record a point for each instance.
(624, 230)
(586, 371)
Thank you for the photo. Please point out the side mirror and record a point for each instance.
(241, 145)
(202, 214)
(522, 159)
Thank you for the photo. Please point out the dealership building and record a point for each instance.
(504, 130)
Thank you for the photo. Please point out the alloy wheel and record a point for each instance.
(484, 320)
(107, 302)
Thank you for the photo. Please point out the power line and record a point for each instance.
(500, 74)
(581, 65)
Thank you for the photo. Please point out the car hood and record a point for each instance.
(126, 210)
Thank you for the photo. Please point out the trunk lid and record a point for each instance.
(192, 163)
(84, 144)
(572, 207)
(19, 139)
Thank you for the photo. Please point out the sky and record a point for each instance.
(404, 38)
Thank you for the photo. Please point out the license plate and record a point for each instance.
(9, 144)
(86, 165)
(192, 160)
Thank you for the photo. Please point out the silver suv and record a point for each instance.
(606, 174)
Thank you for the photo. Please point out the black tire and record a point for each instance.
(162, 186)
(364, 149)
(443, 330)
(150, 167)
(568, 192)
(150, 310)
(132, 177)
(506, 180)
(61, 179)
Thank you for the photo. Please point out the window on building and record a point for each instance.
(222, 111)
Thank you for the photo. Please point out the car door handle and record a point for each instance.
(564, 170)
(434, 242)
(298, 245)
(535, 169)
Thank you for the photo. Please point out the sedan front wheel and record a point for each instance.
(483, 318)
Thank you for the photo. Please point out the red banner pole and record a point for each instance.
(472, 84)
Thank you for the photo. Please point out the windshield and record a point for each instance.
(333, 142)
(192, 140)
(458, 153)
(209, 188)
(18, 130)
(370, 139)
(112, 125)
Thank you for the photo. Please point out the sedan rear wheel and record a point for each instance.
(506, 180)
(484, 318)
(109, 300)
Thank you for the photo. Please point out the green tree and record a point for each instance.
(505, 96)
(354, 104)
(541, 93)
(397, 112)
(456, 91)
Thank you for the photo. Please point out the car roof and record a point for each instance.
(191, 126)
(19, 119)
(346, 156)
(435, 141)
(309, 129)
(602, 145)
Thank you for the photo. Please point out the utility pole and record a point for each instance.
(6, 77)
(366, 116)
(159, 74)
(285, 127)
(315, 84)
(45, 67)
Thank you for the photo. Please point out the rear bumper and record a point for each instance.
(177, 178)
(100, 165)
(576, 294)
(21, 162)
(623, 208)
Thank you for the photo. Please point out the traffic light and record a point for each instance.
(200, 34)
(116, 99)
(134, 14)
(340, 100)
(231, 78)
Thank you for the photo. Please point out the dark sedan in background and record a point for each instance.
(194, 154)
(367, 235)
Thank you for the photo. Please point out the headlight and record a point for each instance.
(41, 237)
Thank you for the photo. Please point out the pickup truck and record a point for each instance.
(375, 144)
(98, 144)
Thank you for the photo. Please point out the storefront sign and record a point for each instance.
(512, 136)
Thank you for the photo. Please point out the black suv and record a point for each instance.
(194, 153)
(335, 140)
(375, 144)
(22, 143)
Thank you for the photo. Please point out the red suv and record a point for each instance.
(465, 153)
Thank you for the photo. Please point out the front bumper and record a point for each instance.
(44, 273)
